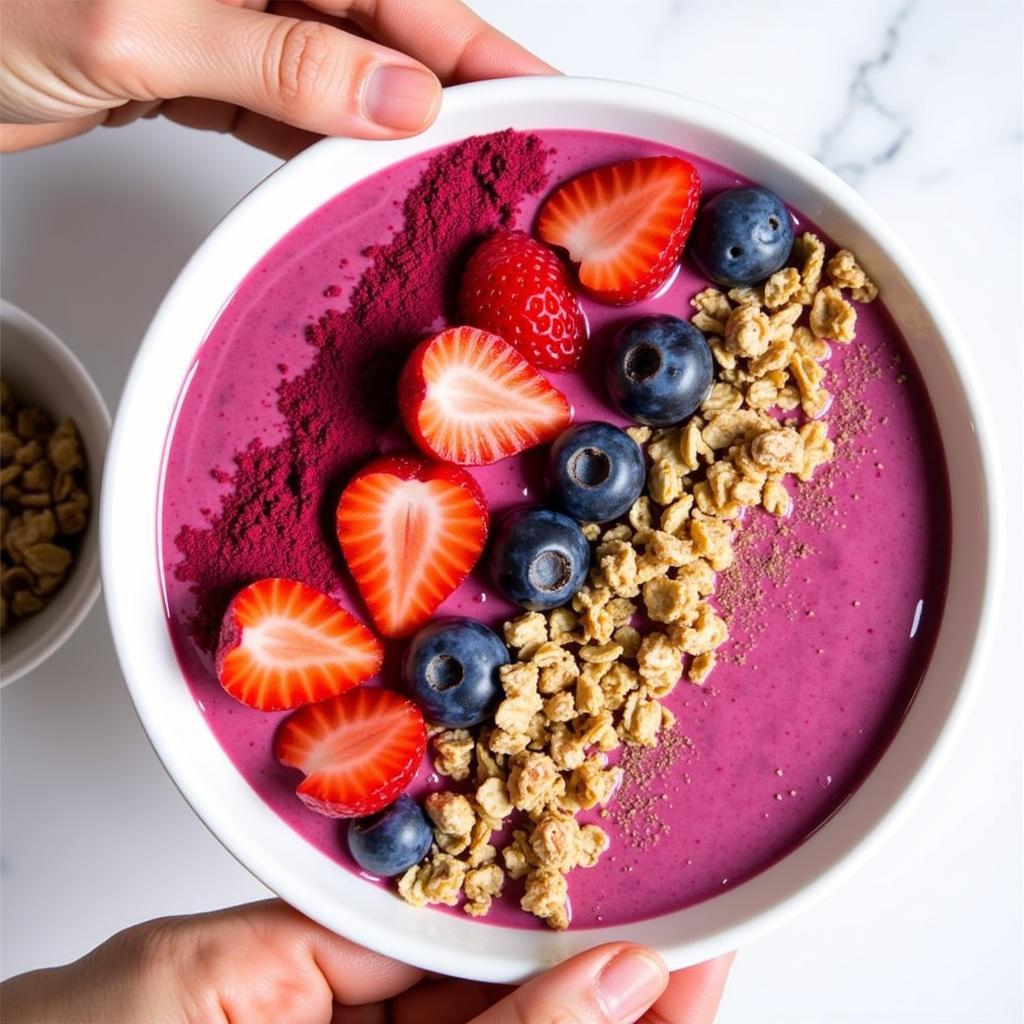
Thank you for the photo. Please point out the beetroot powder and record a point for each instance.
(283, 496)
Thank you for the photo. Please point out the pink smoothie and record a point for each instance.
(832, 613)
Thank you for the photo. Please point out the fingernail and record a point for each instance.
(398, 97)
(629, 983)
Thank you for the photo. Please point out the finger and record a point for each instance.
(612, 984)
(442, 1002)
(206, 115)
(444, 34)
(371, 1013)
(131, 111)
(693, 994)
(15, 137)
(276, 137)
(252, 956)
(354, 974)
(304, 72)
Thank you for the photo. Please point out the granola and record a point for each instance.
(45, 506)
(585, 680)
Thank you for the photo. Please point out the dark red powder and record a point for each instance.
(277, 518)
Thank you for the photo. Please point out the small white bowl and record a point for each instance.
(43, 371)
(310, 880)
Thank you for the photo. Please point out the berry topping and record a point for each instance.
(451, 671)
(358, 751)
(595, 472)
(390, 842)
(624, 224)
(742, 236)
(411, 531)
(468, 397)
(539, 558)
(283, 644)
(659, 370)
(518, 289)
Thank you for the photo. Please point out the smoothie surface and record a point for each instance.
(832, 612)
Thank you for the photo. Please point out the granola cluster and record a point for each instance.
(585, 680)
(44, 506)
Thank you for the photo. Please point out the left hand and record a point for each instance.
(278, 74)
(266, 962)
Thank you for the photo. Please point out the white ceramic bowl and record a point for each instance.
(307, 878)
(43, 371)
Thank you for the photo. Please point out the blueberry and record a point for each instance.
(539, 558)
(659, 370)
(451, 671)
(742, 236)
(391, 841)
(595, 472)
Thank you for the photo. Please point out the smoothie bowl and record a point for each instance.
(534, 533)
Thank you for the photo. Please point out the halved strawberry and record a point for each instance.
(283, 644)
(466, 396)
(411, 531)
(624, 224)
(358, 751)
(520, 290)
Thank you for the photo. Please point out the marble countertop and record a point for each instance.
(916, 104)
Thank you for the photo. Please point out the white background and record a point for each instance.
(918, 105)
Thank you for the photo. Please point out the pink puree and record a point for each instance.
(821, 665)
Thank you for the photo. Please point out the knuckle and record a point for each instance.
(300, 64)
(209, 957)
(161, 956)
(109, 35)
(474, 37)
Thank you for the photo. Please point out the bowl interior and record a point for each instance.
(297, 871)
(42, 371)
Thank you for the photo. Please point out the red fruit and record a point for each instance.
(283, 644)
(411, 531)
(518, 289)
(358, 751)
(468, 397)
(624, 224)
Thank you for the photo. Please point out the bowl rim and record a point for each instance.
(84, 583)
(385, 927)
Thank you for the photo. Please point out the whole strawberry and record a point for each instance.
(518, 289)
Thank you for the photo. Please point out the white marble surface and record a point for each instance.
(918, 105)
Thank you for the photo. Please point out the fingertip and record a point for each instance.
(693, 993)
(630, 982)
(530, 64)
(611, 984)
(401, 98)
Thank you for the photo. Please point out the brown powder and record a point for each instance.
(638, 810)
(766, 551)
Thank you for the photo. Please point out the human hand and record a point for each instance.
(275, 74)
(266, 962)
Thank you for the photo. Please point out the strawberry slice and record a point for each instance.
(411, 531)
(624, 224)
(283, 644)
(466, 396)
(520, 290)
(358, 751)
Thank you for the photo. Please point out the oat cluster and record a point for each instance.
(585, 680)
(45, 505)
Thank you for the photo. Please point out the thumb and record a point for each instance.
(306, 73)
(612, 984)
